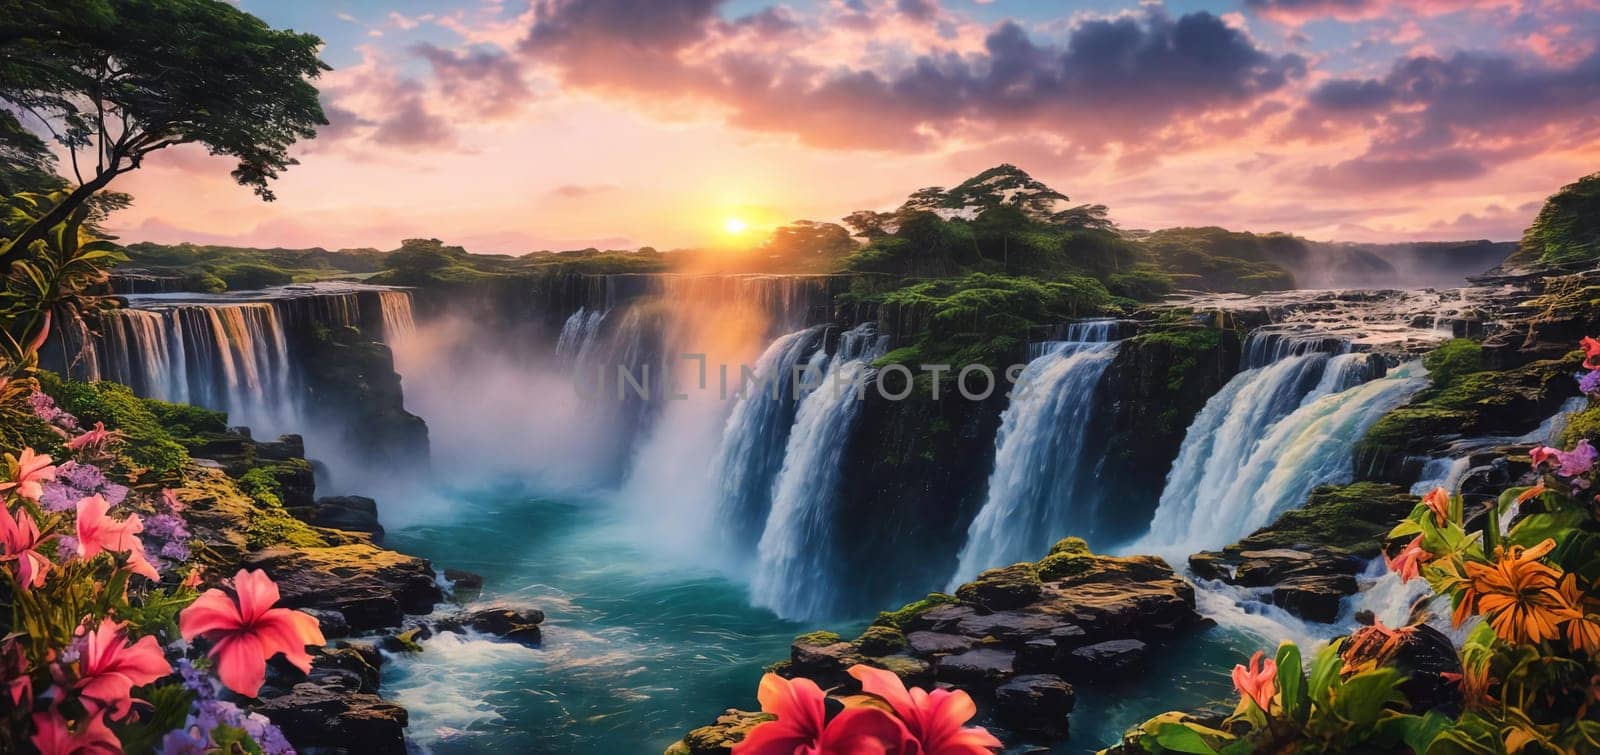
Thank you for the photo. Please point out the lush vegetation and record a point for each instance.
(1567, 229)
(1528, 664)
(1217, 259)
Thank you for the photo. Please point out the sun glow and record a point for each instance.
(735, 226)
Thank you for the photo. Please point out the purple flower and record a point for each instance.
(45, 408)
(1589, 382)
(207, 715)
(188, 741)
(76, 481)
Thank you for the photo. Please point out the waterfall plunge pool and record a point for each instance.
(637, 650)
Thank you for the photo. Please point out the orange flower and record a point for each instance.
(1583, 630)
(1474, 682)
(1517, 594)
(1532, 493)
(1438, 501)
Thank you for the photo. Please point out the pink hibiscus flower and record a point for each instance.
(33, 471)
(245, 630)
(98, 532)
(935, 719)
(1408, 563)
(1567, 463)
(110, 667)
(1591, 353)
(802, 727)
(52, 735)
(1438, 501)
(19, 536)
(1259, 682)
(94, 440)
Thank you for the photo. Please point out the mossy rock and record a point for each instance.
(909, 611)
(819, 638)
(1340, 518)
(1071, 545)
(719, 738)
(1003, 588)
(1059, 566)
(881, 640)
(1582, 425)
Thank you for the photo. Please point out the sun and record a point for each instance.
(735, 226)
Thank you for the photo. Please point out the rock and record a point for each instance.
(1035, 704)
(719, 738)
(332, 622)
(1261, 568)
(373, 588)
(1109, 657)
(983, 667)
(1006, 587)
(823, 659)
(286, 447)
(915, 672)
(940, 618)
(316, 716)
(1422, 653)
(1010, 627)
(1314, 597)
(937, 643)
(352, 513)
(881, 640)
(464, 585)
(515, 624)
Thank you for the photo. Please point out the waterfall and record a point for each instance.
(751, 452)
(398, 323)
(1043, 485)
(578, 335)
(1249, 472)
(794, 573)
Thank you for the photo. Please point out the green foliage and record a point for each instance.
(898, 618)
(125, 78)
(250, 276)
(1581, 425)
(819, 638)
(1221, 260)
(982, 318)
(272, 524)
(150, 445)
(1143, 282)
(1453, 359)
(1567, 229)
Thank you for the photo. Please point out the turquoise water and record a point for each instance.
(638, 651)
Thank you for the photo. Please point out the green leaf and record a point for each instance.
(1363, 697)
(1325, 674)
(1292, 682)
(1535, 528)
(1180, 738)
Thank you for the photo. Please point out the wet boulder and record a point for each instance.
(1035, 705)
(515, 624)
(1314, 597)
(351, 513)
(371, 587)
(983, 667)
(1002, 588)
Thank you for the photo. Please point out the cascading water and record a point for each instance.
(578, 335)
(794, 574)
(1254, 471)
(1042, 486)
(398, 323)
(751, 452)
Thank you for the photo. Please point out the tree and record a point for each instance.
(116, 80)
(807, 238)
(1086, 216)
(868, 224)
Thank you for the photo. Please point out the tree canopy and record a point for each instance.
(115, 80)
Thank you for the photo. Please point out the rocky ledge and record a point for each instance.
(252, 504)
(1307, 560)
(1016, 638)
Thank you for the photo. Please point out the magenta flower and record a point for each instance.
(1567, 463)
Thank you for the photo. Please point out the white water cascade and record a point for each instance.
(794, 558)
(751, 451)
(1255, 471)
(398, 323)
(1042, 487)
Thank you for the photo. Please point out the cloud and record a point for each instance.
(1116, 79)
(482, 81)
(1297, 12)
(1379, 172)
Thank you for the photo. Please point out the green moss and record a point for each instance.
(1184, 346)
(149, 444)
(271, 524)
(1453, 359)
(1581, 425)
(1069, 557)
(881, 639)
(819, 638)
(1348, 518)
(898, 618)
(1567, 228)
(1071, 545)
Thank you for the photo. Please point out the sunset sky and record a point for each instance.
(510, 126)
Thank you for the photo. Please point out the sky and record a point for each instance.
(514, 125)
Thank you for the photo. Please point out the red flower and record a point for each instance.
(53, 737)
(802, 727)
(1591, 352)
(245, 630)
(94, 440)
(14, 663)
(935, 719)
(1259, 682)
(111, 668)
(19, 536)
(98, 532)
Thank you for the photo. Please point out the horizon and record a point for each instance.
(553, 125)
